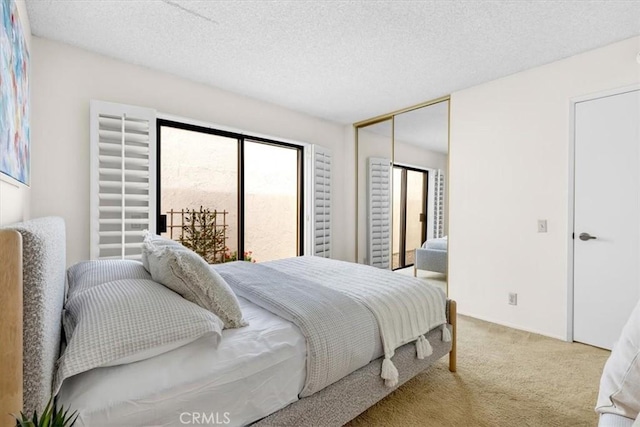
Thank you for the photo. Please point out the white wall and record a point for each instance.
(509, 167)
(412, 155)
(14, 197)
(66, 78)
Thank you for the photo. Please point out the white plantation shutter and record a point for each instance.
(379, 218)
(438, 205)
(321, 202)
(123, 179)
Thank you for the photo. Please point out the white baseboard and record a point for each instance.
(513, 326)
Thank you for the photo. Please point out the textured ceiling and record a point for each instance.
(344, 61)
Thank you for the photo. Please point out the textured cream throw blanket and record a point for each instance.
(404, 307)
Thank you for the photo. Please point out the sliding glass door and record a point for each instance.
(227, 196)
(409, 213)
(271, 202)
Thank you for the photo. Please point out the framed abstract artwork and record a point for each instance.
(15, 145)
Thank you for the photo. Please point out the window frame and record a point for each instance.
(404, 169)
(241, 137)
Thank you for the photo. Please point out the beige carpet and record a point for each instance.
(505, 378)
(431, 277)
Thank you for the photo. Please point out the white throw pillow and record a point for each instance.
(125, 321)
(157, 241)
(437, 244)
(620, 383)
(188, 274)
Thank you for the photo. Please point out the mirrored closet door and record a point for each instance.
(402, 166)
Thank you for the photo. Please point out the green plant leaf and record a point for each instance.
(50, 417)
(70, 422)
(58, 418)
(45, 417)
(23, 420)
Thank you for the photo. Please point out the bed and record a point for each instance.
(258, 374)
(618, 403)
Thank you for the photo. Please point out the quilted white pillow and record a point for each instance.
(125, 321)
(188, 274)
(87, 274)
(620, 383)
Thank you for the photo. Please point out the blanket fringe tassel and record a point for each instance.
(389, 373)
(423, 347)
(446, 334)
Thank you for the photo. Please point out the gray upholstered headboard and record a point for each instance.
(44, 278)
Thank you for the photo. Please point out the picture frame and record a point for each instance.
(15, 141)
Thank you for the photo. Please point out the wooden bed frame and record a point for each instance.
(11, 353)
(11, 321)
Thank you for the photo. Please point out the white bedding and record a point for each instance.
(256, 370)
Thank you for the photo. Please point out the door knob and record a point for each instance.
(586, 236)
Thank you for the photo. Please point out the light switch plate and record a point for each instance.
(542, 226)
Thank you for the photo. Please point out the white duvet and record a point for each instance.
(256, 370)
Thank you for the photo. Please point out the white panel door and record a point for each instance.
(607, 216)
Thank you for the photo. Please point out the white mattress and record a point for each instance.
(256, 370)
(613, 420)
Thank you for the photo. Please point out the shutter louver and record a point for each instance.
(322, 202)
(123, 187)
(379, 214)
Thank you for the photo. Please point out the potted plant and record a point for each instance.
(202, 234)
(50, 417)
(229, 256)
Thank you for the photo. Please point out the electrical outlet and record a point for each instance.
(513, 298)
(542, 226)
